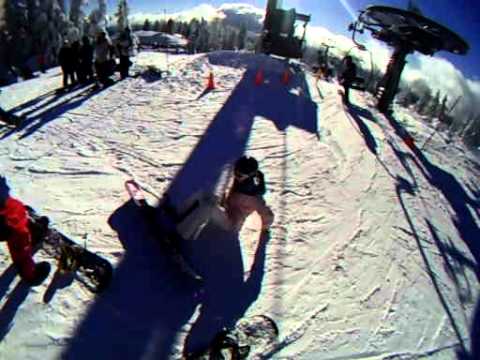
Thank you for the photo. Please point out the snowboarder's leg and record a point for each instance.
(191, 226)
(5, 116)
(72, 77)
(32, 273)
(220, 218)
(65, 75)
(124, 65)
(265, 213)
(201, 207)
(24, 263)
(42, 270)
(346, 94)
(239, 207)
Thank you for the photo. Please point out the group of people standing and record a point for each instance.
(78, 60)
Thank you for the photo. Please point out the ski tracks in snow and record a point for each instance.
(343, 275)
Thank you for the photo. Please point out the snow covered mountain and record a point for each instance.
(235, 14)
(373, 252)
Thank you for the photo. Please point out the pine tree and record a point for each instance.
(193, 27)
(202, 40)
(232, 39)
(147, 25)
(435, 105)
(186, 30)
(98, 18)
(157, 26)
(76, 14)
(242, 37)
(3, 14)
(215, 35)
(170, 26)
(122, 15)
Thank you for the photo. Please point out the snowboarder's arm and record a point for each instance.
(261, 183)
(253, 284)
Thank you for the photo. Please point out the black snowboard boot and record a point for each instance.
(42, 270)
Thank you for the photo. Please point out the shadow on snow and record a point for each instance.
(149, 302)
(31, 124)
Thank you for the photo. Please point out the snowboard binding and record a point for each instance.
(91, 269)
(250, 337)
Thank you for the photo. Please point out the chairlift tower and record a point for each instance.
(278, 34)
(406, 32)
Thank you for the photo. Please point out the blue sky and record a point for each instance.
(462, 16)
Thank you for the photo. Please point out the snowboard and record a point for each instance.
(11, 120)
(92, 270)
(168, 238)
(250, 338)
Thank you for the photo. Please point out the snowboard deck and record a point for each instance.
(167, 239)
(92, 270)
(249, 338)
(12, 120)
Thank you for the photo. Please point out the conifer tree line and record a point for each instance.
(203, 36)
(32, 31)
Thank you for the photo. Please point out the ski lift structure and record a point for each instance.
(406, 32)
(278, 34)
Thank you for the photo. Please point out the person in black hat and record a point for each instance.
(246, 194)
(347, 77)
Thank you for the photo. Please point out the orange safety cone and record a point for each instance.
(259, 77)
(286, 77)
(211, 83)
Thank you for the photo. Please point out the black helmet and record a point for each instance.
(246, 166)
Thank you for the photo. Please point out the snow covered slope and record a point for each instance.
(374, 250)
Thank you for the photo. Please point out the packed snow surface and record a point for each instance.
(374, 249)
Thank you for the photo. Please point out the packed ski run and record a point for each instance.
(371, 253)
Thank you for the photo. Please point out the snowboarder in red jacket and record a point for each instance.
(15, 231)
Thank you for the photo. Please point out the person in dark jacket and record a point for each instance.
(75, 55)
(347, 77)
(86, 60)
(124, 47)
(67, 61)
(15, 231)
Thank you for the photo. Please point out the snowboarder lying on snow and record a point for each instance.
(15, 231)
(244, 197)
(246, 194)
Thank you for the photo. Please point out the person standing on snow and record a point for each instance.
(246, 194)
(347, 77)
(103, 58)
(66, 60)
(75, 53)
(15, 231)
(124, 46)
(86, 60)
